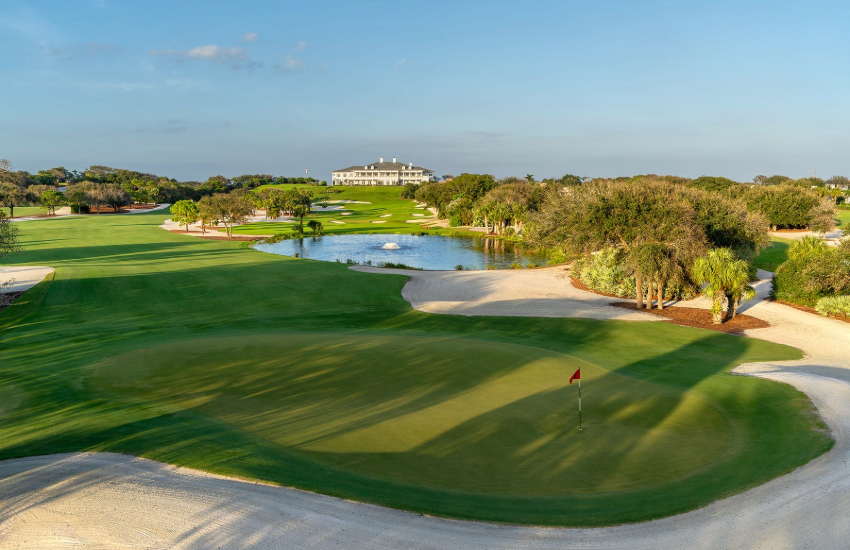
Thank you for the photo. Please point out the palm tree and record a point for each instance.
(299, 211)
(726, 278)
(316, 226)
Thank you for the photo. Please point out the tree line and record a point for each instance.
(648, 237)
(98, 186)
(234, 208)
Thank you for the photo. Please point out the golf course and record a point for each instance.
(211, 355)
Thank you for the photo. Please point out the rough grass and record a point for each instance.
(24, 211)
(204, 354)
(773, 256)
(844, 218)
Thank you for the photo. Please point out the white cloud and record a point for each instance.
(235, 55)
(290, 65)
(249, 37)
(301, 46)
(400, 63)
(83, 50)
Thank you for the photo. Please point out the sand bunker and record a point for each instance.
(379, 221)
(25, 276)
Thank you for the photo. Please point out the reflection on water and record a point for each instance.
(426, 252)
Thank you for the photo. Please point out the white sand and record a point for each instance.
(65, 212)
(25, 276)
(345, 214)
(108, 501)
(385, 215)
(336, 221)
(544, 292)
(379, 221)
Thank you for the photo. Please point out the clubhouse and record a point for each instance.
(381, 173)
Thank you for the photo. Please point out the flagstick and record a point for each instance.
(579, 404)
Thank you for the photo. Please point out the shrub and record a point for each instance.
(605, 271)
(459, 267)
(516, 265)
(835, 306)
(813, 271)
(556, 256)
(397, 265)
(491, 266)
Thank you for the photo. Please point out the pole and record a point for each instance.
(579, 404)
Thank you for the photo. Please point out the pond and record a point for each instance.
(435, 252)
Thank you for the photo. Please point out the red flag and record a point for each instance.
(576, 376)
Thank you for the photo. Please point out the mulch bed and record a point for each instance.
(213, 237)
(699, 318)
(581, 286)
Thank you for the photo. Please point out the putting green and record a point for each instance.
(413, 409)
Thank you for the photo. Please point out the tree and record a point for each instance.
(316, 226)
(8, 237)
(50, 199)
(226, 208)
(11, 196)
(111, 194)
(653, 218)
(529, 178)
(300, 211)
(776, 180)
(726, 278)
(184, 212)
(823, 216)
(760, 179)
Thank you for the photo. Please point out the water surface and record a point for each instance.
(435, 252)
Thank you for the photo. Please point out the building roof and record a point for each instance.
(385, 166)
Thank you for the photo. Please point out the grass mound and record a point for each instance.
(209, 355)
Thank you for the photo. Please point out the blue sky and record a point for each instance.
(191, 89)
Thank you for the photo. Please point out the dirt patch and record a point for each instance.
(7, 299)
(213, 237)
(699, 318)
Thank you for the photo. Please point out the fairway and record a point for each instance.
(211, 355)
(774, 255)
(377, 209)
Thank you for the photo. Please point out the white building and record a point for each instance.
(381, 173)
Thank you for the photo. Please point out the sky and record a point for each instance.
(191, 89)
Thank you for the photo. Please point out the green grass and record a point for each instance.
(25, 211)
(384, 205)
(213, 356)
(844, 218)
(775, 255)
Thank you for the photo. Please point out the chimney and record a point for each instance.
(411, 166)
(382, 159)
(393, 160)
